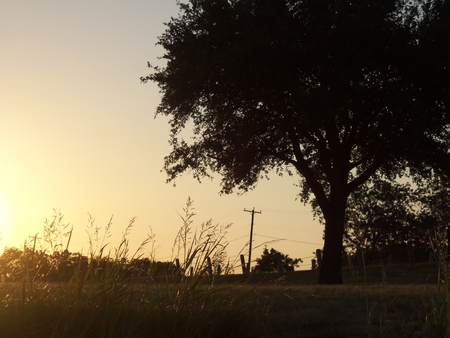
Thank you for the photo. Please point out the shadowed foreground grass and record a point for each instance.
(52, 310)
(274, 306)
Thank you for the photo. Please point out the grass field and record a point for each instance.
(395, 301)
(98, 299)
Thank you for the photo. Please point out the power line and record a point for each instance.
(235, 239)
(287, 212)
(297, 230)
(231, 230)
(231, 214)
(289, 240)
(292, 240)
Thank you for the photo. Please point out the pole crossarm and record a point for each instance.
(251, 236)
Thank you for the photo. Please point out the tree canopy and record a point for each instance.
(335, 91)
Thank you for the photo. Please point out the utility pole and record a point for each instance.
(251, 237)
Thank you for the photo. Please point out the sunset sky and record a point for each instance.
(78, 133)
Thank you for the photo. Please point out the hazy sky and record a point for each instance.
(78, 133)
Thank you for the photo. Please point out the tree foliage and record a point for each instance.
(380, 213)
(336, 91)
(383, 216)
(269, 261)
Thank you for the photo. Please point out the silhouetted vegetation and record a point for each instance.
(336, 91)
(274, 261)
(46, 291)
(62, 266)
(385, 215)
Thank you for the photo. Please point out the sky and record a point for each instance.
(78, 134)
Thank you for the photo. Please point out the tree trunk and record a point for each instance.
(331, 269)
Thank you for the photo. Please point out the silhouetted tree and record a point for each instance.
(10, 264)
(16, 264)
(269, 261)
(434, 201)
(382, 219)
(337, 91)
(384, 215)
(65, 264)
(144, 267)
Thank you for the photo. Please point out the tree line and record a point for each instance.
(62, 266)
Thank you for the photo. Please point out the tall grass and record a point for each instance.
(101, 298)
(189, 302)
(100, 301)
(437, 308)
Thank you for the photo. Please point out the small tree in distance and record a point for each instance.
(269, 261)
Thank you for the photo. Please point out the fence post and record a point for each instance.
(208, 261)
(244, 269)
(360, 256)
(410, 253)
(431, 257)
(313, 264)
(389, 259)
(178, 273)
(319, 257)
(279, 263)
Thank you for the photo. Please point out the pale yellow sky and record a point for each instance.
(77, 133)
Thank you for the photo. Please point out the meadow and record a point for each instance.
(106, 301)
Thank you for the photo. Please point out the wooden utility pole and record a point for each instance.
(251, 237)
